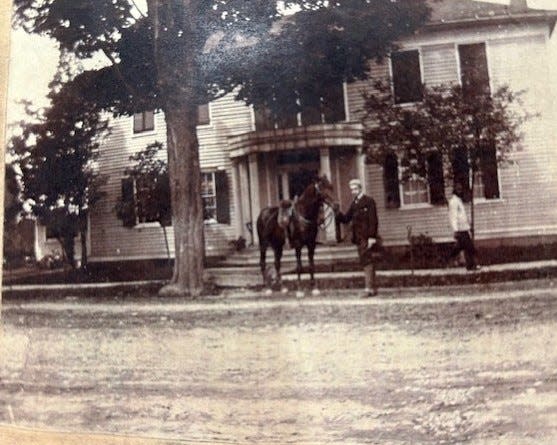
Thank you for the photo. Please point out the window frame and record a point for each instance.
(212, 174)
(413, 205)
(487, 58)
(392, 77)
(144, 131)
(209, 121)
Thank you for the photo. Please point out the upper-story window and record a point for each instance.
(144, 121)
(474, 72)
(203, 114)
(407, 76)
(304, 108)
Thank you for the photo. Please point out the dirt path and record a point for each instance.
(473, 367)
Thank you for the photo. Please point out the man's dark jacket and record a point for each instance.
(363, 214)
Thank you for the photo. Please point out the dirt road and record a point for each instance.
(469, 365)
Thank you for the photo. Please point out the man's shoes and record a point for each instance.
(474, 268)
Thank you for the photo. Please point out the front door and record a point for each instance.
(298, 181)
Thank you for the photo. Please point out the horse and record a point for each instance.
(299, 222)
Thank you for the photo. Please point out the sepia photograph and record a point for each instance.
(278, 222)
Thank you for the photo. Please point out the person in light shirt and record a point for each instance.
(363, 215)
(460, 225)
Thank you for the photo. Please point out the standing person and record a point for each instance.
(363, 214)
(461, 229)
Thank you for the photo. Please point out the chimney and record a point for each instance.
(518, 6)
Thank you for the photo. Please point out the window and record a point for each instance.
(306, 107)
(145, 213)
(209, 196)
(214, 193)
(136, 195)
(474, 72)
(486, 181)
(144, 121)
(407, 77)
(203, 114)
(427, 187)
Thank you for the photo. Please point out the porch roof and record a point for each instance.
(343, 134)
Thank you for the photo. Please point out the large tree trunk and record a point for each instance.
(176, 48)
(187, 212)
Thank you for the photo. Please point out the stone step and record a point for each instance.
(324, 254)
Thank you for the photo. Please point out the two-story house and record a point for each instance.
(250, 159)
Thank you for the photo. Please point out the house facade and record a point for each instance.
(250, 160)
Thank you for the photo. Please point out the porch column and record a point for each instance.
(254, 192)
(244, 198)
(361, 167)
(237, 199)
(325, 169)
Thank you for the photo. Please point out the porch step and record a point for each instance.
(324, 254)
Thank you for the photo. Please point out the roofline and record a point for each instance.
(547, 16)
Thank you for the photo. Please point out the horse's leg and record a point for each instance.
(262, 263)
(299, 292)
(311, 254)
(278, 256)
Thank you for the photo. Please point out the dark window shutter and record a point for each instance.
(149, 120)
(137, 122)
(390, 181)
(223, 201)
(435, 178)
(407, 78)
(488, 165)
(461, 171)
(128, 212)
(333, 104)
(203, 116)
(165, 206)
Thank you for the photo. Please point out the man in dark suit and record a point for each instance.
(363, 215)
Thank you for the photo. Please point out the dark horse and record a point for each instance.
(299, 221)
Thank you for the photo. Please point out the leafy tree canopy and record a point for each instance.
(247, 47)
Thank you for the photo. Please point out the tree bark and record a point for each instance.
(178, 82)
(187, 212)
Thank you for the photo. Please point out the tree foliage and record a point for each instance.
(482, 129)
(181, 53)
(57, 155)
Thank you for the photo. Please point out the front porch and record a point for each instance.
(271, 165)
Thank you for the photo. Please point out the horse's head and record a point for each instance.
(324, 190)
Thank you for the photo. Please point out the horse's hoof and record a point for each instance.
(299, 294)
(315, 292)
(284, 290)
(268, 292)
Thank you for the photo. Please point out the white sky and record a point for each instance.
(34, 59)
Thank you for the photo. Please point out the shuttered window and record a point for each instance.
(144, 121)
(407, 77)
(135, 208)
(486, 181)
(215, 196)
(474, 72)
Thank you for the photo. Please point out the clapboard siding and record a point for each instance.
(527, 186)
(518, 55)
(110, 239)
